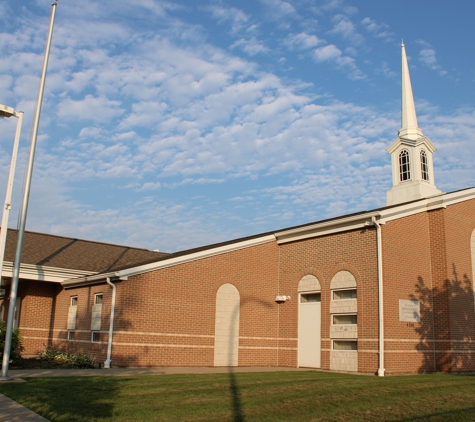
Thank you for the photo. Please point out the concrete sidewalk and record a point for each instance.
(11, 411)
(133, 372)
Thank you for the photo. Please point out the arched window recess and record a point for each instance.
(404, 167)
(424, 166)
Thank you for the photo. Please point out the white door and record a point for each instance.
(309, 333)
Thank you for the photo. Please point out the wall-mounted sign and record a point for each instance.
(409, 310)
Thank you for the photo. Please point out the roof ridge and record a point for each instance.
(88, 241)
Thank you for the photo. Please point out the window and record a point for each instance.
(404, 169)
(345, 345)
(70, 336)
(96, 312)
(73, 312)
(424, 166)
(96, 337)
(345, 319)
(310, 297)
(344, 294)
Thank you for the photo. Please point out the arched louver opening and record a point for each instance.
(424, 166)
(404, 168)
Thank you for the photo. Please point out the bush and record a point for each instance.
(17, 343)
(64, 359)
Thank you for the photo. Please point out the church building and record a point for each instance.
(384, 291)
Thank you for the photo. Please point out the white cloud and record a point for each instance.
(346, 29)
(331, 53)
(251, 46)
(158, 130)
(386, 71)
(331, 5)
(301, 41)
(237, 17)
(90, 108)
(280, 10)
(427, 56)
(380, 30)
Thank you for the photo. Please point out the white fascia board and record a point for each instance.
(43, 273)
(329, 227)
(426, 204)
(125, 274)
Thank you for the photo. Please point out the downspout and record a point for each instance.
(107, 363)
(380, 298)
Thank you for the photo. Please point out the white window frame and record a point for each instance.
(344, 350)
(344, 290)
(424, 165)
(72, 312)
(309, 293)
(404, 176)
(352, 314)
(96, 296)
(96, 314)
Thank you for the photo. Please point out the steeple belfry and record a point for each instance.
(411, 153)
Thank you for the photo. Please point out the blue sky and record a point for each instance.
(174, 124)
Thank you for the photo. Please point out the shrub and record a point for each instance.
(65, 359)
(17, 343)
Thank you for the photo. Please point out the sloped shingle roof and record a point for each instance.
(77, 254)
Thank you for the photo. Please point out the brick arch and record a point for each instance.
(316, 273)
(342, 280)
(220, 283)
(345, 266)
(309, 283)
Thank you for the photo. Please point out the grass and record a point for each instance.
(279, 396)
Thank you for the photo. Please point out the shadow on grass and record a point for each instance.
(66, 399)
(236, 397)
(238, 414)
(451, 415)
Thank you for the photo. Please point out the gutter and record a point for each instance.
(380, 298)
(329, 227)
(107, 363)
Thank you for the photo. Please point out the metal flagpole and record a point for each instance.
(11, 176)
(24, 208)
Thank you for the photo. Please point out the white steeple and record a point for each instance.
(411, 152)
(409, 128)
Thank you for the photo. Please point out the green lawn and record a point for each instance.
(277, 396)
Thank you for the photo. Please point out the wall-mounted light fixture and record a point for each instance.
(282, 299)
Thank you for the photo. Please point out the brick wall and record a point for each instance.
(427, 258)
(323, 257)
(167, 317)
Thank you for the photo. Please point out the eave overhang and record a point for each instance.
(362, 220)
(325, 228)
(43, 273)
(125, 274)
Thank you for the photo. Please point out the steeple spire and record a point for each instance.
(409, 127)
(411, 153)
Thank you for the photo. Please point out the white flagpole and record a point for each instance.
(8, 197)
(24, 208)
